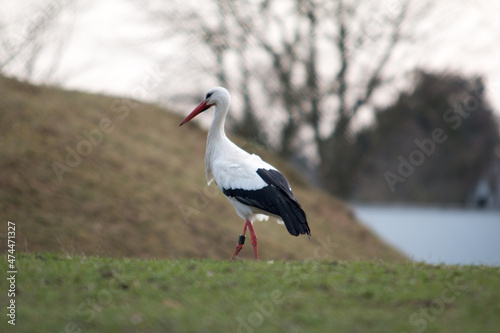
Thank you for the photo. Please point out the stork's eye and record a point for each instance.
(208, 95)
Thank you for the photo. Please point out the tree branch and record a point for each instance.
(374, 81)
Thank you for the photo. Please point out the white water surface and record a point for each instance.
(437, 235)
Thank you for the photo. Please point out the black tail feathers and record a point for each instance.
(294, 217)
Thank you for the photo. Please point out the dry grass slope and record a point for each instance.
(131, 183)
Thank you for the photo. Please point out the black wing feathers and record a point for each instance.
(275, 198)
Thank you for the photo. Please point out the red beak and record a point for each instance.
(199, 109)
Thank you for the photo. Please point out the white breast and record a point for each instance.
(231, 167)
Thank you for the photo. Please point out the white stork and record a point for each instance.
(255, 188)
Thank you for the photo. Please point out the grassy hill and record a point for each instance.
(89, 294)
(86, 174)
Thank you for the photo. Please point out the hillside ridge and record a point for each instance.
(89, 174)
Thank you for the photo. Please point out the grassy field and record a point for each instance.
(113, 194)
(86, 174)
(56, 293)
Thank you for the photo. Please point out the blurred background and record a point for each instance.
(393, 106)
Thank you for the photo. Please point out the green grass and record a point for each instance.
(56, 293)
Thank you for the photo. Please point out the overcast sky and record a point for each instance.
(109, 53)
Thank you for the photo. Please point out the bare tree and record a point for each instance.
(42, 31)
(319, 63)
(334, 152)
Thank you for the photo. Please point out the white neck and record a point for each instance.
(216, 131)
(217, 141)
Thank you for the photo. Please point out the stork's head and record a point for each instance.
(215, 96)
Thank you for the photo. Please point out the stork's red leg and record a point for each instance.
(254, 240)
(239, 246)
(241, 241)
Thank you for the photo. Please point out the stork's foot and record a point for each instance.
(237, 250)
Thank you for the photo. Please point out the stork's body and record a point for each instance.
(255, 188)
